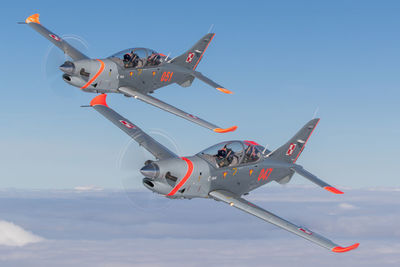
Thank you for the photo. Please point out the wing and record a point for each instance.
(34, 23)
(252, 209)
(164, 106)
(143, 139)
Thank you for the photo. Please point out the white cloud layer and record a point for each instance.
(14, 235)
(108, 228)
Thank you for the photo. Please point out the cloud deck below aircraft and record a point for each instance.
(105, 229)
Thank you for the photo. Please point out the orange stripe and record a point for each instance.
(298, 155)
(198, 61)
(230, 129)
(333, 190)
(341, 249)
(184, 179)
(99, 100)
(96, 75)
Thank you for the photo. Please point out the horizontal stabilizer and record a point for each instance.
(314, 179)
(210, 82)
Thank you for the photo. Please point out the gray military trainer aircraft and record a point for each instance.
(134, 72)
(225, 171)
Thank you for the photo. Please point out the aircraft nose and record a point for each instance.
(68, 67)
(150, 170)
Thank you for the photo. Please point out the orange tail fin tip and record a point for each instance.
(333, 190)
(224, 90)
(345, 249)
(33, 18)
(220, 130)
(99, 100)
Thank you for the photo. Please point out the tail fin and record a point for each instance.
(290, 151)
(191, 58)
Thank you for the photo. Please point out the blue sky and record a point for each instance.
(283, 60)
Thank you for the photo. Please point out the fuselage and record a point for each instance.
(196, 176)
(146, 74)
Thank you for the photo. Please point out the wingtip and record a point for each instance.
(224, 90)
(345, 249)
(99, 100)
(230, 129)
(33, 18)
(333, 190)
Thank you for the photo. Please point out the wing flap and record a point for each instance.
(167, 107)
(252, 209)
(75, 54)
(143, 139)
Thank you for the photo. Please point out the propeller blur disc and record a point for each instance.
(53, 58)
(131, 160)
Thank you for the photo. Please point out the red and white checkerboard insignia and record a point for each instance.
(291, 149)
(127, 124)
(192, 116)
(305, 231)
(55, 37)
(190, 57)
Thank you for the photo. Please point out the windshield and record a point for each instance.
(226, 154)
(232, 153)
(138, 58)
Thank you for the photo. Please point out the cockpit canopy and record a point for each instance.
(138, 58)
(232, 153)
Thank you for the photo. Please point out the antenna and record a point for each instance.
(168, 57)
(211, 28)
(265, 149)
(315, 112)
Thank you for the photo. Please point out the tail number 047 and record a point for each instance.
(166, 76)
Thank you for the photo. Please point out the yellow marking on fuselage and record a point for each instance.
(234, 171)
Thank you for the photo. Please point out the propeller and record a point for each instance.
(131, 159)
(54, 58)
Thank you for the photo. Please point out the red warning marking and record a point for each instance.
(127, 124)
(291, 149)
(305, 231)
(192, 116)
(55, 37)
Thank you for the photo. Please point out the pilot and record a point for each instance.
(153, 59)
(130, 60)
(224, 157)
(251, 154)
(127, 58)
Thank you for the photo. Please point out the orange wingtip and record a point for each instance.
(33, 18)
(341, 249)
(99, 100)
(223, 90)
(333, 190)
(231, 129)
